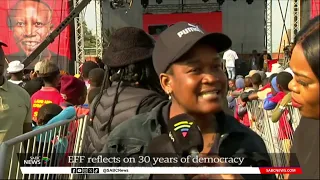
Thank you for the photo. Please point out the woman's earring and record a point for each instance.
(169, 94)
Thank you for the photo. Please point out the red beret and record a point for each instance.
(71, 87)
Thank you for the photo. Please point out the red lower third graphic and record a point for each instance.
(281, 170)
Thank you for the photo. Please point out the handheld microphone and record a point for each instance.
(277, 113)
(162, 147)
(159, 148)
(185, 135)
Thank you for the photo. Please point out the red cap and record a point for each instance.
(71, 87)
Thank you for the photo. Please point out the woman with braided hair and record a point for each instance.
(131, 85)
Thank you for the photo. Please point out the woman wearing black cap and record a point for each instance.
(185, 60)
(305, 95)
(130, 87)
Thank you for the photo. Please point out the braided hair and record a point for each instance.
(141, 74)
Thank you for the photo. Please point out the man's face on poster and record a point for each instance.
(31, 24)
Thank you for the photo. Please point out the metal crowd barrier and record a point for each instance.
(52, 143)
(278, 136)
(57, 140)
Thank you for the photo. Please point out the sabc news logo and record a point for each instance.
(36, 160)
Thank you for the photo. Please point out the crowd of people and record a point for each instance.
(146, 83)
(271, 89)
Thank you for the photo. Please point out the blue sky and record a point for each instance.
(277, 22)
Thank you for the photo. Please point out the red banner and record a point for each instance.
(281, 170)
(24, 24)
(315, 5)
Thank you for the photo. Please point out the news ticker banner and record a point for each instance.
(160, 170)
(154, 160)
(144, 160)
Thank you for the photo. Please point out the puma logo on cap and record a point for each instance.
(192, 28)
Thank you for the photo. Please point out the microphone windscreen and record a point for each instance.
(286, 99)
(185, 134)
(280, 108)
(161, 144)
(163, 154)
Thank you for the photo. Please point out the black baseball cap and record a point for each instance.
(178, 39)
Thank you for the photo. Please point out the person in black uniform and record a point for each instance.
(31, 22)
(305, 96)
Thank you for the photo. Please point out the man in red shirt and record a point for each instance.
(50, 74)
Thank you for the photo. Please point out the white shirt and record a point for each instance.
(15, 82)
(230, 57)
(253, 60)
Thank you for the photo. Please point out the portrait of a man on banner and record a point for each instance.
(29, 23)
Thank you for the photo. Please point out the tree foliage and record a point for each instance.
(89, 40)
